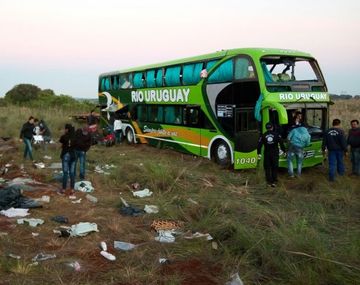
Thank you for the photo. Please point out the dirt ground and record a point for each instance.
(27, 242)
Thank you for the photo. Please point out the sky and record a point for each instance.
(65, 45)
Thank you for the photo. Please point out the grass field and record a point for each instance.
(305, 231)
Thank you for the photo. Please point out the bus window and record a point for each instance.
(115, 82)
(192, 116)
(159, 78)
(107, 84)
(150, 78)
(191, 73)
(141, 113)
(172, 76)
(155, 113)
(138, 80)
(124, 81)
(223, 73)
(245, 121)
(243, 69)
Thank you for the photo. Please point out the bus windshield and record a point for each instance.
(291, 74)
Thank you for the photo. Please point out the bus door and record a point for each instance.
(191, 135)
(246, 138)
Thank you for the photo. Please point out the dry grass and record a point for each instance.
(257, 230)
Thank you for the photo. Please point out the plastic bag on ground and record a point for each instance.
(84, 186)
(123, 245)
(82, 229)
(199, 235)
(32, 222)
(143, 193)
(165, 236)
(12, 212)
(151, 209)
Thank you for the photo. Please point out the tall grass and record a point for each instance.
(306, 231)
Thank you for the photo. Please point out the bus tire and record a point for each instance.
(129, 136)
(221, 154)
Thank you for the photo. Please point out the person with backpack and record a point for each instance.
(82, 144)
(271, 140)
(335, 143)
(298, 138)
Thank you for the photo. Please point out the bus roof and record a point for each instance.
(256, 52)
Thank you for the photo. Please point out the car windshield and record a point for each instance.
(291, 74)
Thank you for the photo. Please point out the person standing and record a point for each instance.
(68, 157)
(335, 143)
(82, 145)
(26, 135)
(118, 129)
(298, 138)
(354, 141)
(271, 140)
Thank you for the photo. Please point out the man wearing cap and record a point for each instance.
(271, 140)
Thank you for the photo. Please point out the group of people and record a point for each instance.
(334, 143)
(34, 130)
(74, 145)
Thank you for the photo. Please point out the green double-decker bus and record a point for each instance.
(216, 105)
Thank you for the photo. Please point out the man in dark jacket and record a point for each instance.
(271, 140)
(334, 141)
(354, 142)
(82, 145)
(26, 135)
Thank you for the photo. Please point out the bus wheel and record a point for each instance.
(222, 154)
(129, 136)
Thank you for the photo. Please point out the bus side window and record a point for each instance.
(192, 116)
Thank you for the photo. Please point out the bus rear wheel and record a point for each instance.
(129, 136)
(222, 154)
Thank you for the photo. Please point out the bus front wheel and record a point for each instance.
(222, 154)
(129, 136)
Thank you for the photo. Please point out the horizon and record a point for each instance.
(65, 46)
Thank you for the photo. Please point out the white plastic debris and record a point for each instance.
(35, 234)
(143, 193)
(39, 165)
(235, 280)
(12, 212)
(82, 229)
(14, 256)
(43, 256)
(44, 199)
(151, 209)
(163, 260)
(123, 245)
(78, 201)
(103, 246)
(76, 265)
(199, 235)
(47, 157)
(108, 255)
(165, 236)
(84, 186)
(31, 221)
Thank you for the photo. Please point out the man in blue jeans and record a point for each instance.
(26, 135)
(335, 143)
(299, 138)
(82, 145)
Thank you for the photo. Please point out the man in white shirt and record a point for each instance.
(118, 130)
